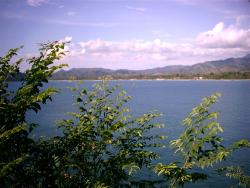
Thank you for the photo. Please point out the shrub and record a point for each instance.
(15, 145)
(102, 145)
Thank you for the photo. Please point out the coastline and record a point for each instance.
(153, 80)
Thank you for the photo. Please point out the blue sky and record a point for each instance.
(134, 34)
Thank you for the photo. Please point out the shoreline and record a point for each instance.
(154, 80)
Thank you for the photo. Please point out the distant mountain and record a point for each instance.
(220, 66)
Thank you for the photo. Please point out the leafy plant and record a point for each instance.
(102, 143)
(200, 146)
(15, 144)
(236, 173)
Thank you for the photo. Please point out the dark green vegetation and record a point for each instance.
(102, 145)
(232, 68)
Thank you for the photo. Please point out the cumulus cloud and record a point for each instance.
(150, 47)
(224, 37)
(67, 39)
(135, 54)
(35, 3)
(218, 43)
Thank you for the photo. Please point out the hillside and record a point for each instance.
(230, 65)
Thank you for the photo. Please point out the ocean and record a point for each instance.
(174, 99)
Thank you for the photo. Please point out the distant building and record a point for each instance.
(198, 78)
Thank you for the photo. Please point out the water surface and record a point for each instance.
(174, 99)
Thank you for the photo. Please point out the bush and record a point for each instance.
(102, 145)
(15, 145)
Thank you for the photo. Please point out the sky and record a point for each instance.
(129, 34)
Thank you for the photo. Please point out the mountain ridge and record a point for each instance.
(241, 64)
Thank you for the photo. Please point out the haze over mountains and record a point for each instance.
(220, 66)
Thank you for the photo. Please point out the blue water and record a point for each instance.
(174, 99)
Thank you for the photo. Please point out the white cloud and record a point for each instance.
(67, 39)
(98, 45)
(71, 13)
(61, 6)
(218, 43)
(35, 3)
(225, 37)
(139, 9)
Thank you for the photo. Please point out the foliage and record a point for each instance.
(200, 146)
(14, 141)
(236, 173)
(104, 143)
(177, 175)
